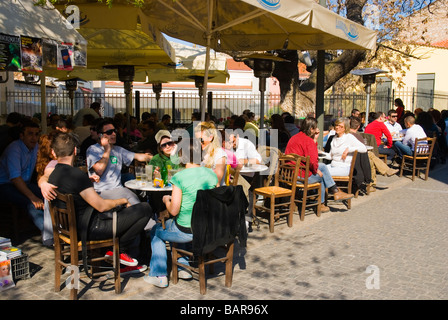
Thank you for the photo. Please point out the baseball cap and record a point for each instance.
(160, 134)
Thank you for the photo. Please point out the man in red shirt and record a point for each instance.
(378, 128)
(304, 144)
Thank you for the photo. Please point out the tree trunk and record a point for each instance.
(300, 98)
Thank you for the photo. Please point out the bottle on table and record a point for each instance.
(164, 173)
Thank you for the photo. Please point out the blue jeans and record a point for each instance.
(9, 193)
(388, 151)
(326, 180)
(158, 264)
(403, 149)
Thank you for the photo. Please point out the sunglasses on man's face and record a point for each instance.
(394, 116)
(109, 132)
(167, 144)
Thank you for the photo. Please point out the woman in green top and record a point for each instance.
(180, 204)
(167, 148)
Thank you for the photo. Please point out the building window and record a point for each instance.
(425, 90)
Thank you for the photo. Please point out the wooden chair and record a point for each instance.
(284, 187)
(346, 182)
(202, 261)
(67, 245)
(371, 141)
(421, 159)
(232, 175)
(270, 156)
(383, 157)
(197, 262)
(304, 187)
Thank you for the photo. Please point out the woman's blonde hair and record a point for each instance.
(209, 129)
(345, 122)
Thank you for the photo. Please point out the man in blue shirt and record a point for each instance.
(17, 165)
(106, 160)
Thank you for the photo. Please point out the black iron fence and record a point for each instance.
(180, 106)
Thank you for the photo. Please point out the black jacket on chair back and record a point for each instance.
(218, 217)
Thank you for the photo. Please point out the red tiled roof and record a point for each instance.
(233, 65)
(443, 44)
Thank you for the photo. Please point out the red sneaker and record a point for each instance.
(124, 259)
(132, 270)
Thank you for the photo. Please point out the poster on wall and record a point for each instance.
(80, 55)
(65, 56)
(10, 53)
(50, 53)
(31, 54)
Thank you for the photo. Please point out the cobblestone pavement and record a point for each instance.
(391, 245)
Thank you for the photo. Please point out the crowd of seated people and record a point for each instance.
(33, 165)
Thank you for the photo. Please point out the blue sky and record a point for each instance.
(171, 39)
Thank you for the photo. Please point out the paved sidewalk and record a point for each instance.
(391, 245)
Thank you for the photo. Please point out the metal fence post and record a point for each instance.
(137, 104)
(173, 107)
(210, 103)
(413, 99)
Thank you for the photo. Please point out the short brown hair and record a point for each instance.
(355, 122)
(64, 144)
(410, 120)
(308, 124)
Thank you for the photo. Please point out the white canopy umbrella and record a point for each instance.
(23, 18)
(190, 62)
(256, 25)
(250, 25)
(189, 66)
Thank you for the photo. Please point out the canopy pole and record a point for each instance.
(320, 89)
(129, 107)
(43, 103)
(207, 59)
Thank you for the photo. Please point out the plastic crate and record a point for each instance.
(20, 267)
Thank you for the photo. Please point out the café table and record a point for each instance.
(145, 186)
(321, 155)
(254, 168)
(152, 194)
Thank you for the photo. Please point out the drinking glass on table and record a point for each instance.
(148, 170)
(144, 177)
(138, 175)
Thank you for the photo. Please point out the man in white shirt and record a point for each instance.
(406, 147)
(244, 149)
(245, 152)
(392, 124)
